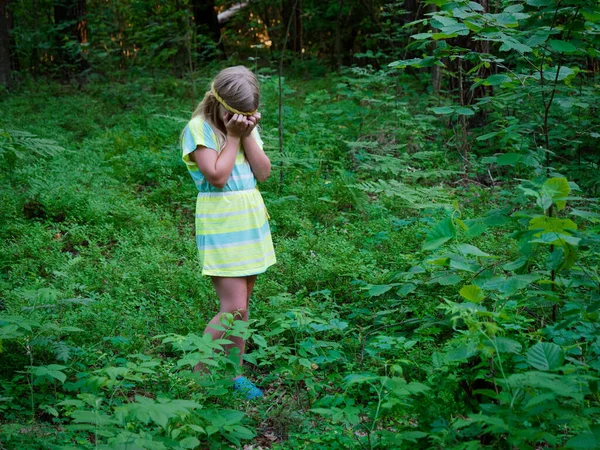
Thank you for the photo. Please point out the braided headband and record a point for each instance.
(227, 107)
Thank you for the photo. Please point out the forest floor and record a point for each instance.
(99, 274)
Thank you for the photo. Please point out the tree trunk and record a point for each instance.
(338, 36)
(436, 73)
(69, 18)
(207, 22)
(299, 30)
(4, 45)
(15, 66)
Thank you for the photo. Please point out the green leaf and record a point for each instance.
(380, 289)
(586, 440)
(464, 111)
(545, 356)
(406, 62)
(189, 442)
(421, 36)
(443, 110)
(485, 137)
(508, 159)
(516, 264)
(562, 46)
(444, 21)
(449, 280)
(442, 232)
(406, 289)
(556, 189)
(550, 224)
(461, 353)
(505, 345)
(469, 249)
(509, 44)
(260, 341)
(472, 293)
(495, 80)
(551, 73)
(158, 416)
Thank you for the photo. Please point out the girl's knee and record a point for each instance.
(237, 313)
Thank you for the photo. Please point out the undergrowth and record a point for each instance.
(413, 305)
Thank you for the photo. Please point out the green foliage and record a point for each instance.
(416, 303)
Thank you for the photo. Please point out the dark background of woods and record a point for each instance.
(81, 39)
(67, 37)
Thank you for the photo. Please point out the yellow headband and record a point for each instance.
(227, 107)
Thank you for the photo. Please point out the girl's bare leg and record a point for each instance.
(250, 287)
(233, 296)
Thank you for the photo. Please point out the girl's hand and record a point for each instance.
(252, 122)
(236, 125)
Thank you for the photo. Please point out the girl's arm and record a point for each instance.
(259, 161)
(217, 167)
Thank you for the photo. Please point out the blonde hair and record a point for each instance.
(238, 88)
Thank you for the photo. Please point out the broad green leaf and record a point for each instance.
(557, 189)
(461, 353)
(561, 385)
(260, 341)
(421, 36)
(516, 264)
(442, 232)
(562, 46)
(540, 3)
(448, 280)
(485, 137)
(358, 378)
(469, 249)
(189, 442)
(585, 441)
(443, 110)
(554, 238)
(552, 224)
(159, 416)
(472, 293)
(495, 80)
(444, 21)
(464, 111)
(509, 44)
(588, 215)
(545, 356)
(554, 259)
(406, 62)
(380, 289)
(551, 74)
(510, 285)
(406, 289)
(459, 262)
(508, 159)
(505, 345)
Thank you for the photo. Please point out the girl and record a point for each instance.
(224, 155)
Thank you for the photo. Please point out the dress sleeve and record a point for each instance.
(197, 133)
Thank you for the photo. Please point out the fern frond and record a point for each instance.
(22, 143)
(413, 197)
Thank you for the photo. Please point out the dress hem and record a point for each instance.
(231, 274)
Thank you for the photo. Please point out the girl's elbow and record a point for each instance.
(264, 176)
(218, 182)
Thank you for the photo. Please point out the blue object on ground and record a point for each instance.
(246, 388)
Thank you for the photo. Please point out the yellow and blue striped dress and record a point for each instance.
(232, 231)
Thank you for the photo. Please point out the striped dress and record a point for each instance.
(232, 231)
